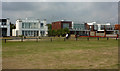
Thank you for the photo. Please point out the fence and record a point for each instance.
(51, 39)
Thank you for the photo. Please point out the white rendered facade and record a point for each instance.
(30, 27)
(5, 27)
(99, 27)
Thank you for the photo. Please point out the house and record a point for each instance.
(5, 27)
(79, 29)
(103, 30)
(30, 27)
(61, 24)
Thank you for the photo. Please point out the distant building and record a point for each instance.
(5, 27)
(87, 29)
(30, 27)
(117, 27)
(74, 28)
(61, 24)
(101, 29)
(79, 29)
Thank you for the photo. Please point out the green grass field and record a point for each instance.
(59, 54)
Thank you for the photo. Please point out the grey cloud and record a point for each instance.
(52, 11)
(60, 0)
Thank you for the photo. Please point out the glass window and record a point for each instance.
(95, 27)
(102, 27)
(22, 25)
(23, 33)
(41, 24)
(42, 33)
(32, 25)
(35, 25)
(65, 26)
(29, 25)
(29, 33)
(32, 33)
(3, 23)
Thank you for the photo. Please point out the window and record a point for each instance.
(16, 33)
(3, 23)
(29, 25)
(102, 27)
(23, 25)
(95, 27)
(41, 24)
(42, 33)
(28, 33)
(35, 25)
(32, 25)
(23, 33)
(65, 25)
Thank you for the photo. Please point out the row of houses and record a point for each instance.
(88, 29)
(24, 27)
(36, 27)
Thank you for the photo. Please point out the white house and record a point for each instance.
(5, 27)
(30, 27)
(103, 29)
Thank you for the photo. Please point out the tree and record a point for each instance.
(53, 32)
(49, 29)
(12, 26)
(66, 30)
(49, 26)
(58, 33)
(62, 32)
(49, 32)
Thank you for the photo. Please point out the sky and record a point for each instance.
(78, 12)
(59, 0)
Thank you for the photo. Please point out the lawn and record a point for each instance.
(59, 54)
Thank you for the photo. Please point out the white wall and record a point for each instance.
(19, 27)
(8, 27)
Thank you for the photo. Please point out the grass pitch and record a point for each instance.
(59, 54)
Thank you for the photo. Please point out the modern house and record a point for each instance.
(5, 27)
(88, 29)
(30, 27)
(79, 29)
(61, 24)
(74, 28)
(101, 29)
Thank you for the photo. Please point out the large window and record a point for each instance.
(32, 25)
(95, 27)
(79, 26)
(42, 33)
(23, 33)
(65, 25)
(102, 27)
(23, 25)
(41, 24)
(35, 25)
(3, 23)
(29, 25)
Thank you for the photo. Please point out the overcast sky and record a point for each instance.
(78, 12)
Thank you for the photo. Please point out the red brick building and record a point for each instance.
(61, 25)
